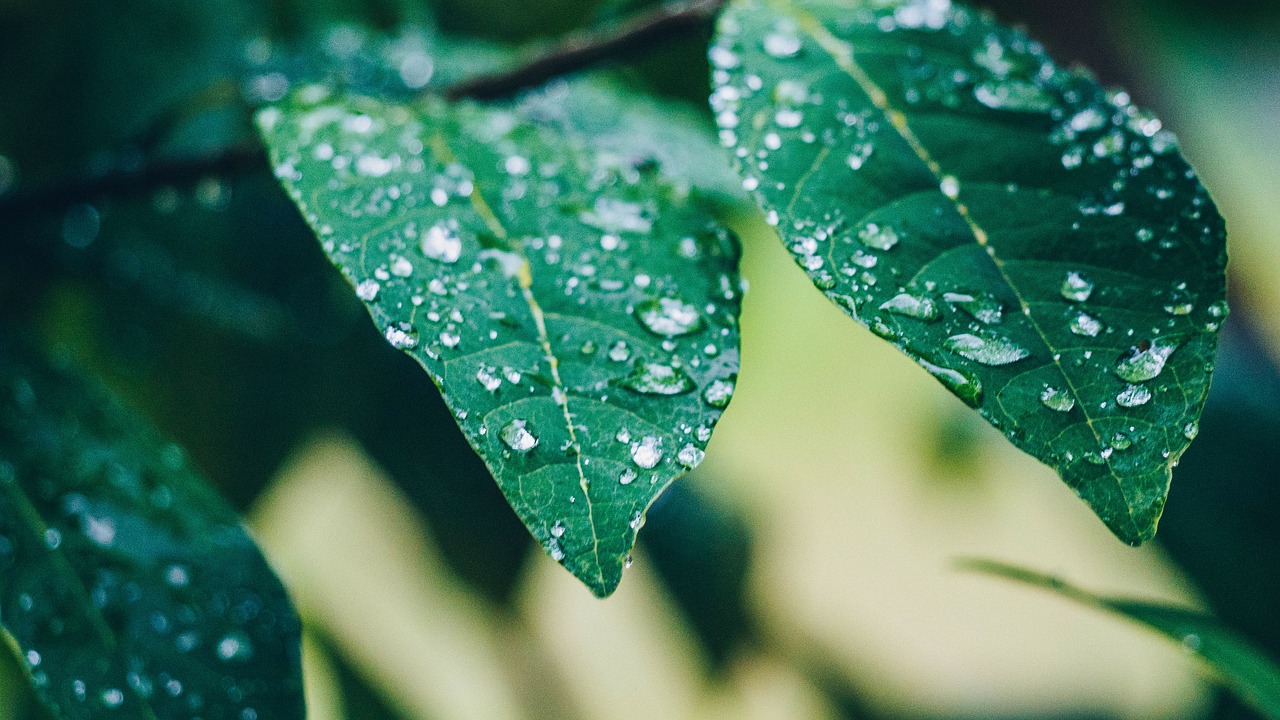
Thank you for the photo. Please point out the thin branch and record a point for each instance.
(583, 50)
(577, 52)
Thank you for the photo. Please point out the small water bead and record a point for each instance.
(623, 435)
(1133, 396)
(401, 267)
(1219, 309)
(719, 393)
(487, 379)
(619, 352)
(668, 316)
(1013, 95)
(783, 45)
(112, 697)
(450, 339)
(788, 118)
(647, 452)
(1147, 360)
(723, 58)
(982, 307)
(556, 552)
(442, 244)
(1084, 324)
(557, 530)
(517, 436)
(907, 305)
(1120, 441)
(1076, 287)
(637, 520)
(964, 386)
(878, 237)
(512, 375)
(235, 647)
(690, 456)
(1191, 430)
(1057, 399)
(860, 155)
(616, 216)
(950, 187)
(1181, 302)
(368, 290)
(993, 350)
(402, 336)
(651, 378)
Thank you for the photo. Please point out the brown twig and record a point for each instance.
(583, 50)
(577, 52)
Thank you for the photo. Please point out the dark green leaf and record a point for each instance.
(578, 312)
(126, 583)
(1034, 242)
(1245, 669)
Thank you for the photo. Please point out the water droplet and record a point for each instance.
(950, 187)
(982, 307)
(487, 379)
(615, 216)
(1191, 430)
(1057, 399)
(442, 244)
(690, 456)
(668, 316)
(991, 350)
(878, 237)
(367, 290)
(719, 393)
(920, 308)
(861, 153)
(647, 452)
(627, 477)
(964, 386)
(788, 118)
(650, 378)
(113, 697)
(557, 530)
(623, 435)
(619, 352)
(1133, 396)
(1181, 302)
(517, 436)
(401, 267)
(1083, 323)
(783, 46)
(235, 646)
(1076, 287)
(1146, 361)
(1015, 96)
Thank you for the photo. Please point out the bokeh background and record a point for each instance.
(806, 570)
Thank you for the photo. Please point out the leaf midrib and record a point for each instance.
(842, 55)
(524, 277)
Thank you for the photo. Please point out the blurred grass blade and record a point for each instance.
(578, 311)
(1250, 673)
(127, 585)
(1034, 242)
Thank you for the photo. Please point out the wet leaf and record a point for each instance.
(573, 307)
(1032, 240)
(1249, 672)
(127, 585)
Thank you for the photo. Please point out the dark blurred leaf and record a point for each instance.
(578, 314)
(126, 583)
(1035, 243)
(702, 552)
(1249, 672)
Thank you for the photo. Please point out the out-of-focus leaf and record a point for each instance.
(1034, 242)
(579, 315)
(640, 129)
(1249, 672)
(127, 585)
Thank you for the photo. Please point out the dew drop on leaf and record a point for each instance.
(877, 236)
(690, 456)
(907, 305)
(367, 290)
(651, 378)
(963, 385)
(442, 244)
(1076, 287)
(982, 307)
(719, 393)
(1133, 396)
(668, 316)
(517, 436)
(991, 350)
(1057, 399)
(1146, 361)
(1084, 324)
(647, 452)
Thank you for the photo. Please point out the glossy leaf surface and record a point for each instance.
(1249, 672)
(127, 585)
(577, 311)
(1034, 242)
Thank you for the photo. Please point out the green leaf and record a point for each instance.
(1034, 242)
(127, 585)
(1249, 672)
(577, 311)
